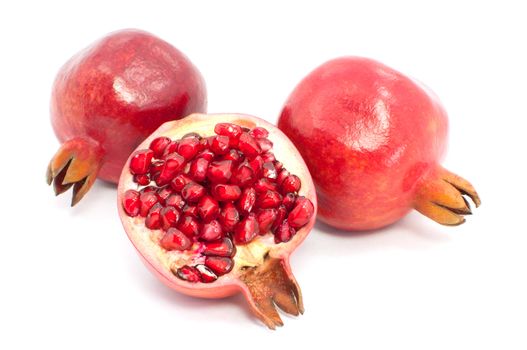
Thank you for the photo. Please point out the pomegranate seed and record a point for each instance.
(219, 265)
(174, 239)
(269, 199)
(223, 247)
(188, 147)
(220, 171)
(131, 203)
(147, 199)
(281, 214)
(269, 171)
(175, 200)
(233, 155)
(229, 217)
(158, 146)
(266, 219)
(189, 226)
(226, 192)
(211, 231)
(192, 135)
(190, 210)
(208, 208)
(289, 200)
(198, 169)
(244, 176)
(259, 133)
(246, 230)
(282, 176)
(248, 145)
(247, 200)
(228, 129)
(284, 232)
(140, 161)
(192, 192)
(156, 167)
(291, 184)
(266, 145)
(269, 157)
(153, 219)
(173, 165)
(169, 217)
(189, 274)
(264, 185)
(256, 164)
(142, 179)
(278, 165)
(220, 144)
(163, 194)
(206, 154)
(148, 189)
(171, 148)
(179, 182)
(301, 213)
(207, 276)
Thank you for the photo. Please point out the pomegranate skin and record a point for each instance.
(371, 138)
(120, 89)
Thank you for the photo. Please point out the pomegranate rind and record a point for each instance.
(160, 261)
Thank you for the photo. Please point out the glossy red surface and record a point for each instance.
(368, 135)
(119, 90)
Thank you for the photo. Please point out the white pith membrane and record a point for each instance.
(249, 257)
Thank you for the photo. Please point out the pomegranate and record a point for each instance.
(110, 97)
(228, 200)
(373, 139)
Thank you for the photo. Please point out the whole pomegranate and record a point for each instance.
(215, 205)
(373, 139)
(109, 97)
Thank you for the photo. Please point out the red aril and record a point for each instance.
(110, 97)
(373, 140)
(240, 239)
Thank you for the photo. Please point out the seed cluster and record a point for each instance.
(214, 191)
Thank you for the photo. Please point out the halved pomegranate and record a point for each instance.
(228, 199)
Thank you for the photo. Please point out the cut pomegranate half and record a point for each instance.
(211, 228)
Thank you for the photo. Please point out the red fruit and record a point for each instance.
(174, 239)
(373, 139)
(208, 208)
(226, 192)
(198, 169)
(223, 247)
(169, 217)
(220, 144)
(192, 192)
(131, 203)
(179, 182)
(284, 232)
(301, 213)
(158, 146)
(219, 265)
(140, 161)
(147, 200)
(142, 180)
(110, 97)
(189, 226)
(153, 218)
(246, 230)
(248, 145)
(188, 147)
(229, 217)
(211, 231)
(220, 171)
(290, 184)
(247, 200)
(231, 249)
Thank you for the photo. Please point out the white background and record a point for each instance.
(70, 279)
